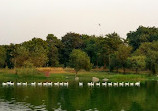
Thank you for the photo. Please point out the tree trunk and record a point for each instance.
(16, 72)
(109, 63)
(117, 69)
(104, 64)
(124, 70)
(15, 64)
(136, 70)
(97, 64)
(76, 73)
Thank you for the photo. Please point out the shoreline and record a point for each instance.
(68, 75)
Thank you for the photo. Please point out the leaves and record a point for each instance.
(54, 46)
(79, 60)
(2, 56)
(141, 35)
(150, 50)
(137, 62)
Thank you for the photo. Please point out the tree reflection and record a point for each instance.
(84, 98)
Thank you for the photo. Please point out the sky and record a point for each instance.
(21, 20)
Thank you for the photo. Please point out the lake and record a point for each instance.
(75, 98)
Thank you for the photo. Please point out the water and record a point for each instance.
(75, 98)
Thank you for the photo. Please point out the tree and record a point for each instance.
(38, 50)
(2, 56)
(31, 45)
(141, 35)
(70, 41)
(103, 54)
(150, 50)
(79, 60)
(53, 56)
(54, 46)
(10, 54)
(137, 62)
(113, 41)
(122, 54)
(39, 57)
(92, 49)
(20, 56)
(152, 61)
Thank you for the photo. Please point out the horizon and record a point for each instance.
(23, 20)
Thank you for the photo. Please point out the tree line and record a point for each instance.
(139, 51)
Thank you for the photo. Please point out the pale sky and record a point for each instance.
(21, 20)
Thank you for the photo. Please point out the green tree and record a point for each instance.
(92, 49)
(150, 50)
(141, 35)
(70, 41)
(137, 62)
(79, 60)
(35, 42)
(122, 54)
(2, 56)
(103, 54)
(39, 57)
(152, 61)
(20, 56)
(10, 54)
(113, 41)
(38, 50)
(54, 47)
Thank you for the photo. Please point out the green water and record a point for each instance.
(72, 98)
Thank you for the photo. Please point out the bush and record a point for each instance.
(27, 71)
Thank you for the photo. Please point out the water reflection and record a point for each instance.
(72, 98)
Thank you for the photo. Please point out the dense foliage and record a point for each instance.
(138, 52)
(2, 56)
(79, 60)
(142, 35)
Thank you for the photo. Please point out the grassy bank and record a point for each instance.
(60, 74)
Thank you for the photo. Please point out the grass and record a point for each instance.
(30, 75)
